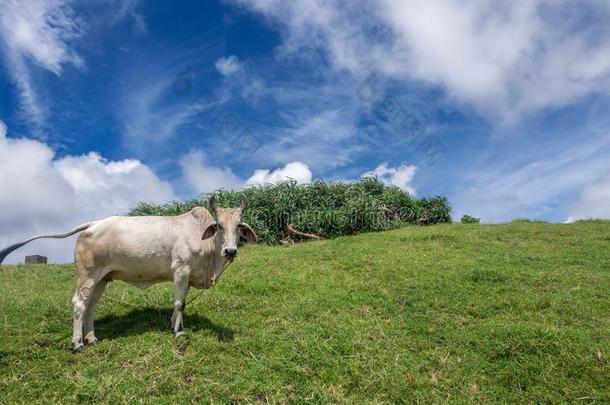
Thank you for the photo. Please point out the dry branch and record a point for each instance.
(293, 231)
(388, 213)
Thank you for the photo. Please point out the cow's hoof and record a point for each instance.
(90, 339)
(92, 342)
(78, 348)
(179, 333)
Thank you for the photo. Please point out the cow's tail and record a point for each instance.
(8, 250)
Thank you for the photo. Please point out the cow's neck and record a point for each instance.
(218, 260)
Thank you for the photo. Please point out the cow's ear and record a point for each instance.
(210, 231)
(247, 232)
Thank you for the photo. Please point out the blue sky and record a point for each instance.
(502, 108)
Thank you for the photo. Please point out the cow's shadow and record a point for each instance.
(146, 319)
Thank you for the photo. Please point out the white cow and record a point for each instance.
(190, 249)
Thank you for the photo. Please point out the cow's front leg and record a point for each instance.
(181, 286)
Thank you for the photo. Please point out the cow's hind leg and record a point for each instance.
(181, 286)
(88, 330)
(80, 301)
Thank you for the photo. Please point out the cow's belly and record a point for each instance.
(138, 280)
(141, 272)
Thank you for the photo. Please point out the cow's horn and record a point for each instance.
(213, 205)
(244, 202)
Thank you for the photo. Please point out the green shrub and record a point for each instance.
(528, 221)
(325, 209)
(467, 219)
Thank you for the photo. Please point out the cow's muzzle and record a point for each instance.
(229, 253)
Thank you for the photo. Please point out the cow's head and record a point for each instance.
(228, 227)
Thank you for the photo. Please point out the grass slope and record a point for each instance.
(511, 313)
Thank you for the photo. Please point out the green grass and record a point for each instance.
(446, 313)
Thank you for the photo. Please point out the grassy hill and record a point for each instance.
(514, 313)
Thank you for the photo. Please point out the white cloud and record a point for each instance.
(38, 32)
(148, 119)
(324, 140)
(593, 202)
(253, 90)
(507, 60)
(228, 65)
(295, 170)
(41, 30)
(126, 9)
(41, 194)
(201, 177)
(401, 176)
